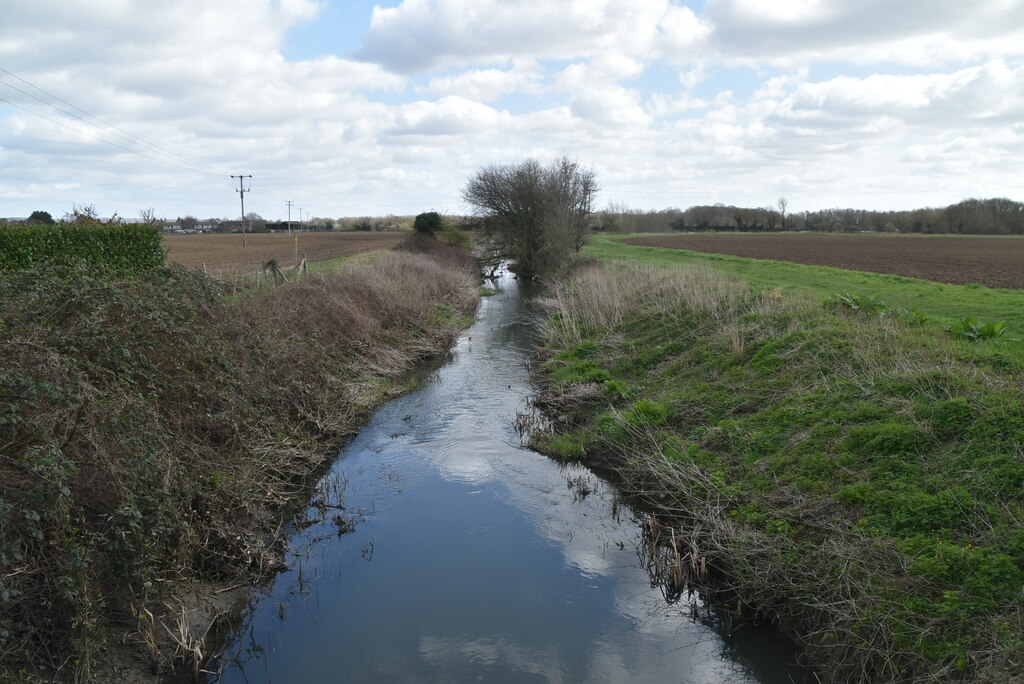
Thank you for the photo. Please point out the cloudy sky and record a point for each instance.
(355, 107)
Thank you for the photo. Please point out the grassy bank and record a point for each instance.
(855, 479)
(155, 433)
(941, 302)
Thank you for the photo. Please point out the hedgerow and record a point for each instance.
(120, 249)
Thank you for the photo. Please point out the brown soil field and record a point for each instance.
(223, 252)
(991, 261)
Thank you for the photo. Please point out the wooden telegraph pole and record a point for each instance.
(241, 195)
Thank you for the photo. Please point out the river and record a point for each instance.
(438, 549)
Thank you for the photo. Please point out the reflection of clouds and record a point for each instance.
(588, 561)
(451, 652)
(473, 468)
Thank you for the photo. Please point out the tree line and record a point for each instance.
(996, 216)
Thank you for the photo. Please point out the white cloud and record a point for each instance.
(487, 85)
(831, 95)
(794, 32)
(448, 116)
(420, 35)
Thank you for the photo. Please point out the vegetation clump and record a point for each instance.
(154, 432)
(122, 249)
(427, 223)
(969, 329)
(857, 480)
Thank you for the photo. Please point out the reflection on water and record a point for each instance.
(439, 549)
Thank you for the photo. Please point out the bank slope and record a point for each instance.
(155, 433)
(855, 479)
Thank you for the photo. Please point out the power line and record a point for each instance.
(124, 135)
(108, 142)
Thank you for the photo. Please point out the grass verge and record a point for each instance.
(155, 433)
(941, 302)
(857, 480)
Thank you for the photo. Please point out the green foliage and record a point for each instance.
(41, 217)
(950, 418)
(646, 412)
(911, 316)
(617, 389)
(582, 371)
(970, 329)
(428, 223)
(888, 438)
(868, 304)
(452, 235)
(122, 249)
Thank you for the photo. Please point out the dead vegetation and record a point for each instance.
(154, 434)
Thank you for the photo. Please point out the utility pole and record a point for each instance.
(289, 203)
(300, 219)
(241, 195)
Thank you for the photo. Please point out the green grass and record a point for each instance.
(858, 478)
(342, 264)
(942, 303)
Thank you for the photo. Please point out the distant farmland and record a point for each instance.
(991, 261)
(223, 253)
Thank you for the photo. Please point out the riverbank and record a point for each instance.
(155, 436)
(854, 479)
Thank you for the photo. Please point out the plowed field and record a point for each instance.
(223, 253)
(991, 261)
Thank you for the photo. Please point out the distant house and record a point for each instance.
(175, 228)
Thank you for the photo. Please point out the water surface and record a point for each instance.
(461, 556)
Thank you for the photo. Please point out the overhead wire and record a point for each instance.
(118, 131)
(108, 142)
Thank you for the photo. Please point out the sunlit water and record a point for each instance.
(462, 556)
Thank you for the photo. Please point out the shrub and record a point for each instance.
(450, 234)
(428, 223)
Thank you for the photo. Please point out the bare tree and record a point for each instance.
(147, 216)
(534, 215)
(782, 204)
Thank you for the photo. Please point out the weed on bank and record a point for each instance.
(855, 479)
